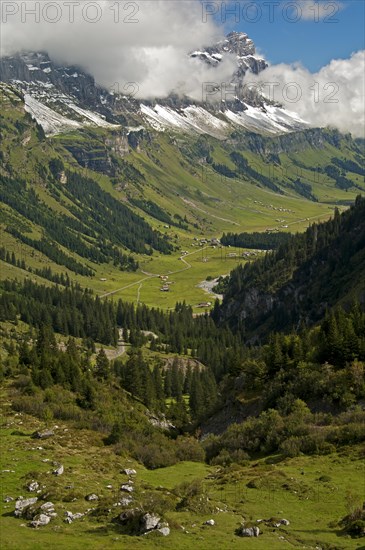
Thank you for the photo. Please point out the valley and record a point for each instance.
(172, 178)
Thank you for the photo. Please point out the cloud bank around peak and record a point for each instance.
(143, 42)
(334, 96)
(146, 42)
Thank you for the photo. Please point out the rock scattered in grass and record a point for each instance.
(22, 504)
(127, 488)
(92, 496)
(48, 508)
(129, 472)
(40, 521)
(43, 435)
(249, 531)
(33, 486)
(136, 522)
(70, 517)
(150, 521)
(58, 471)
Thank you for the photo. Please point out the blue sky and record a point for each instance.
(312, 43)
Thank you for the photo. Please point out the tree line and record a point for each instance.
(256, 240)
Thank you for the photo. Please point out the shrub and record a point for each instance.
(325, 479)
(223, 459)
(159, 502)
(154, 456)
(356, 528)
(189, 448)
(291, 447)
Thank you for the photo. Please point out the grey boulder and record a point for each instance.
(165, 531)
(32, 487)
(43, 435)
(22, 504)
(149, 522)
(40, 521)
(249, 531)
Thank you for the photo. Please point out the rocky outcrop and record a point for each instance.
(165, 531)
(29, 508)
(22, 504)
(159, 421)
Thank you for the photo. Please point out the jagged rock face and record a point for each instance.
(38, 67)
(49, 83)
(238, 44)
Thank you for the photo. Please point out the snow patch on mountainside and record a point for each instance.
(193, 119)
(91, 118)
(270, 120)
(55, 123)
(51, 122)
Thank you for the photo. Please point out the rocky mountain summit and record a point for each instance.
(239, 45)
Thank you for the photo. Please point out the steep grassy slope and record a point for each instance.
(312, 272)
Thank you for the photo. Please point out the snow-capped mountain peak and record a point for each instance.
(236, 44)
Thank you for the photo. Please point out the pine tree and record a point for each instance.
(158, 383)
(176, 380)
(168, 383)
(196, 400)
(102, 368)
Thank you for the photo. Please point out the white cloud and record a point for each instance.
(334, 96)
(152, 51)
